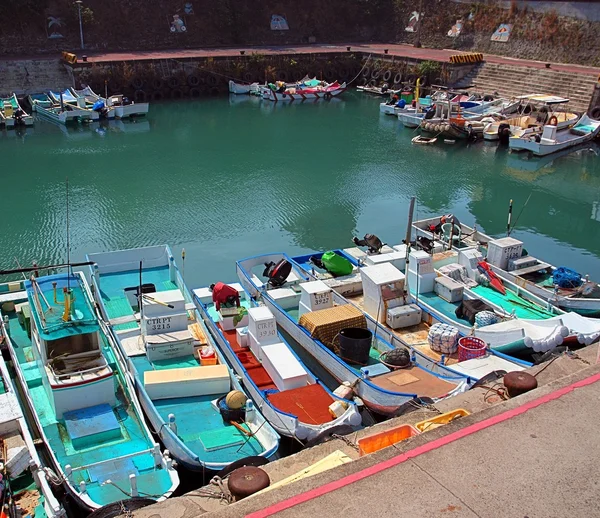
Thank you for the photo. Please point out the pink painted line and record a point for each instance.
(420, 450)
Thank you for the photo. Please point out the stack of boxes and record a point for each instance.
(262, 329)
(383, 288)
(314, 295)
(421, 275)
(500, 251)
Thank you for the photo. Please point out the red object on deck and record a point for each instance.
(495, 281)
(222, 292)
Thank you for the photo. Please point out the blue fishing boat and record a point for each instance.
(289, 395)
(180, 375)
(83, 406)
(308, 314)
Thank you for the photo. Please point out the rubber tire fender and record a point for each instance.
(387, 75)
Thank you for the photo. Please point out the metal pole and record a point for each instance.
(80, 24)
(418, 38)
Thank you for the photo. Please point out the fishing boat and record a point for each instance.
(83, 406)
(244, 89)
(420, 139)
(552, 140)
(303, 92)
(532, 113)
(119, 106)
(81, 102)
(181, 378)
(506, 257)
(24, 480)
(46, 108)
(330, 334)
(289, 395)
(13, 114)
(374, 90)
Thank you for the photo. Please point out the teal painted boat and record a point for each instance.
(83, 406)
(160, 344)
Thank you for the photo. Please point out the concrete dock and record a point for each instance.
(531, 456)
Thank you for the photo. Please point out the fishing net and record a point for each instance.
(566, 278)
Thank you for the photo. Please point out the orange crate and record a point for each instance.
(208, 361)
(382, 440)
(440, 420)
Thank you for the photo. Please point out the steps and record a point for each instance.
(511, 81)
(33, 76)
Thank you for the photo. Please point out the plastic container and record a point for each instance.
(382, 440)
(208, 356)
(355, 344)
(228, 414)
(440, 420)
(470, 347)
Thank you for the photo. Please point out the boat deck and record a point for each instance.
(309, 403)
(132, 439)
(196, 416)
(414, 381)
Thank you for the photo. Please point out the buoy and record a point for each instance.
(246, 481)
(235, 400)
(518, 383)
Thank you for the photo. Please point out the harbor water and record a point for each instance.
(229, 178)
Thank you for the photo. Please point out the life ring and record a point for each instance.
(375, 74)
(213, 80)
(176, 93)
(366, 72)
(139, 96)
(158, 96)
(553, 121)
(328, 95)
(193, 80)
(595, 113)
(195, 92)
(372, 82)
(173, 82)
(398, 78)
(387, 75)
(137, 83)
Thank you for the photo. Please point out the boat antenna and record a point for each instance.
(183, 264)
(510, 205)
(140, 294)
(69, 269)
(521, 212)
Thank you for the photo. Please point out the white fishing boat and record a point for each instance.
(244, 89)
(63, 113)
(552, 139)
(25, 483)
(67, 98)
(82, 404)
(303, 92)
(13, 114)
(161, 343)
(578, 293)
(285, 390)
(532, 113)
(119, 105)
(308, 314)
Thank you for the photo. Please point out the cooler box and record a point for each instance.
(404, 316)
(241, 334)
(283, 367)
(316, 295)
(187, 382)
(155, 309)
(397, 258)
(469, 259)
(169, 345)
(421, 275)
(377, 276)
(285, 298)
(228, 322)
(521, 262)
(449, 289)
(377, 308)
(500, 251)
(166, 323)
(262, 325)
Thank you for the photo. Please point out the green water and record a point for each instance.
(230, 179)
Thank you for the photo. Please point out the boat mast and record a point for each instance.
(411, 211)
(69, 269)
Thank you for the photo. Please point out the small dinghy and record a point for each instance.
(420, 139)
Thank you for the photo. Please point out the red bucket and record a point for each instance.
(470, 347)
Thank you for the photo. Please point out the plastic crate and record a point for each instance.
(440, 420)
(470, 347)
(382, 440)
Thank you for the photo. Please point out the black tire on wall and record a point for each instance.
(140, 96)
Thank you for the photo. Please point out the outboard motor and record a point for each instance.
(425, 244)
(277, 273)
(370, 240)
(18, 116)
(504, 133)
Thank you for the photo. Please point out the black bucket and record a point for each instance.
(229, 414)
(355, 344)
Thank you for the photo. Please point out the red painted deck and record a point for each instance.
(310, 403)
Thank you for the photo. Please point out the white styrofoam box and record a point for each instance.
(262, 325)
(521, 262)
(18, 460)
(187, 381)
(501, 250)
(346, 285)
(241, 334)
(286, 298)
(283, 367)
(254, 345)
(169, 345)
(303, 309)
(205, 295)
(164, 324)
(376, 276)
(404, 316)
(228, 323)
(155, 309)
(398, 259)
(377, 308)
(361, 255)
(315, 295)
(449, 289)
(423, 282)
(400, 248)
(469, 257)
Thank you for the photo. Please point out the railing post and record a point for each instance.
(133, 485)
(69, 472)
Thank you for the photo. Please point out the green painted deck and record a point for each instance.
(195, 416)
(151, 481)
(512, 302)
